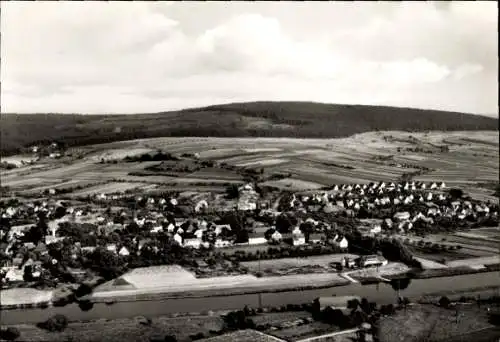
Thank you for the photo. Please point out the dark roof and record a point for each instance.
(243, 336)
(336, 301)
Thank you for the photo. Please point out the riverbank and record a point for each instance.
(186, 285)
(135, 288)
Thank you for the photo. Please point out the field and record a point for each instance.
(420, 321)
(176, 280)
(126, 329)
(308, 163)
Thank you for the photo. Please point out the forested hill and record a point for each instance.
(259, 119)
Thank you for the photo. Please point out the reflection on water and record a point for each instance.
(381, 293)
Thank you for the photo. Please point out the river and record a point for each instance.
(381, 293)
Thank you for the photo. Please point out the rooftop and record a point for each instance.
(243, 336)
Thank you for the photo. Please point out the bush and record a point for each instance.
(10, 334)
(444, 302)
(197, 336)
(170, 338)
(56, 323)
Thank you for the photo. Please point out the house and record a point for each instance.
(178, 238)
(13, 274)
(193, 243)
(111, 247)
(156, 229)
(256, 240)
(219, 228)
(124, 251)
(88, 249)
(402, 216)
(333, 302)
(247, 335)
(341, 242)
(276, 237)
(41, 248)
(298, 237)
(201, 205)
(220, 243)
(372, 260)
(377, 228)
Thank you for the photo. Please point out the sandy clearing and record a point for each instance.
(158, 281)
(24, 296)
(430, 265)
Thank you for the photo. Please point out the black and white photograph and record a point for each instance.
(249, 171)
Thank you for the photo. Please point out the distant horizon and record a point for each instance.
(114, 58)
(492, 115)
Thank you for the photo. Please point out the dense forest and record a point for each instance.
(252, 119)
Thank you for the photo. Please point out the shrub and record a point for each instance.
(56, 323)
(10, 334)
(197, 336)
(444, 302)
(170, 338)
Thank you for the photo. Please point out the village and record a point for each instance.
(51, 243)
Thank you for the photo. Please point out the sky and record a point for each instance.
(136, 57)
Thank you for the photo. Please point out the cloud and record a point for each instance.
(99, 57)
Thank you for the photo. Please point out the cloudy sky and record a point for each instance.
(105, 57)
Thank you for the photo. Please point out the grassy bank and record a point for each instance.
(210, 293)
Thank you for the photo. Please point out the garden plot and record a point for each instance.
(293, 184)
(109, 188)
(218, 153)
(263, 162)
(285, 263)
(215, 173)
(26, 182)
(119, 154)
(472, 262)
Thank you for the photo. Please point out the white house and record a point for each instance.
(220, 243)
(201, 205)
(341, 242)
(124, 251)
(298, 237)
(276, 237)
(376, 229)
(193, 243)
(111, 247)
(156, 229)
(178, 239)
(402, 216)
(257, 240)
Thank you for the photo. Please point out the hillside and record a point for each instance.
(259, 119)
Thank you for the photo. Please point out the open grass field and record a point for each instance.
(126, 329)
(420, 321)
(109, 188)
(311, 163)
